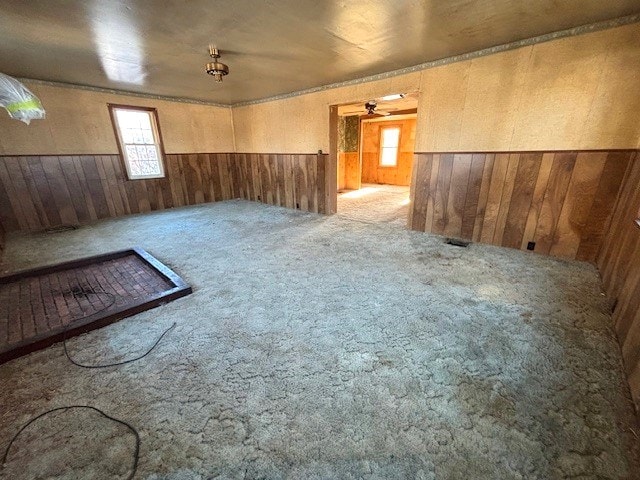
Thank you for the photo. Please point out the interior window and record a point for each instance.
(139, 141)
(389, 143)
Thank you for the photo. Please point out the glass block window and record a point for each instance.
(389, 145)
(139, 141)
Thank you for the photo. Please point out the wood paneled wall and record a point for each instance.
(288, 180)
(348, 171)
(619, 264)
(341, 178)
(2, 240)
(39, 192)
(372, 172)
(562, 201)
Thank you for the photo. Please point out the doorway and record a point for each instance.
(375, 143)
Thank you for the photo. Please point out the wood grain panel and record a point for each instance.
(603, 204)
(13, 204)
(441, 198)
(562, 201)
(431, 193)
(372, 172)
(80, 205)
(326, 196)
(350, 164)
(507, 195)
(472, 197)
(460, 173)
(554, 197)
(483, 197)
(2, 242)
(619, 264)
(538, 196)
(340, 184)
(289, 180)
(494, 197)
(14, 171)
(49, 191)
(521, 197)
(578, 202)
(420, 182)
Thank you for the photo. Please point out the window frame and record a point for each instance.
(155, 125)
(395, 126)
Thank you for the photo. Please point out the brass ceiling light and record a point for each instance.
(216, 68)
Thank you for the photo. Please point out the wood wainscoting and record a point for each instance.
(562, 201)
(40, 192)
(289, 180)
(619, 265)
(349, 171)
(1, 242)
(372, 172)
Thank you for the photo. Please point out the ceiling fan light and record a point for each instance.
(216, 69)
(395, 96)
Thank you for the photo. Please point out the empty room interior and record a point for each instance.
(295, 239)
(376, 141)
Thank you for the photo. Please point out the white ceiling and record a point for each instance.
(271, 46)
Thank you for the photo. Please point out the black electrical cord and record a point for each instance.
(86, 292)
(83, 365)
(121, 422)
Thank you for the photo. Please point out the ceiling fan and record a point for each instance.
(370, 108)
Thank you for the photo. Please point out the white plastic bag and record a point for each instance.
(19, 101)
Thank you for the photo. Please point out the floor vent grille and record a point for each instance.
(457, 242)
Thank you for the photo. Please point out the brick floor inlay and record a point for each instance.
(39, 305)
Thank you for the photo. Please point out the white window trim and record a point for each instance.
(122, 145)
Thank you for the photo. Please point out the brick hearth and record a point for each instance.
(37, 305)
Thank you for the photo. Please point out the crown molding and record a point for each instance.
(127, 93)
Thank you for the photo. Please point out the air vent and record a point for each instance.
(457, 242)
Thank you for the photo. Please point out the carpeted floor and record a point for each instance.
(324, 347)
(375, 204)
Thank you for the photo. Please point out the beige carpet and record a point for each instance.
(319, 347)
(375, 204)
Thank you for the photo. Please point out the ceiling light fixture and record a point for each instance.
(395, 96)
(216, 68)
